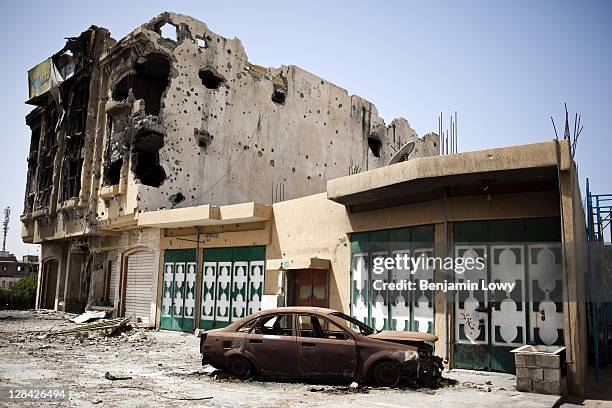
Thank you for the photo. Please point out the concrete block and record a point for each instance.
(552, 374)
(522, 372)
(548, 361)
(547, 387)
(519, 360)
(530, 360)
(524, 384)
(530, 372)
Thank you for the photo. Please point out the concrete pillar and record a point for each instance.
(443, 301)
(574, 311)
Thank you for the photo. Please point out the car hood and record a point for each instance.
(399, 336)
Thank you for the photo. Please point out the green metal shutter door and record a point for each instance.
(178, 291)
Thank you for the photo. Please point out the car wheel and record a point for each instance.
(240, 367)
(386, 374)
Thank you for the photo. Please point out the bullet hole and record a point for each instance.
(245, 147)
(203, 137)
(259, 154)
(176, 198)
(301, 95)
(211, 79)
(272, 163)
(293, 169)
(339, 105)
(374, 145)
(113, 172)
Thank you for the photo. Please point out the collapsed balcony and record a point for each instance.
(135, 126)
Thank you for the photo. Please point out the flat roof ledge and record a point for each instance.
(206, 215)
(359, 188)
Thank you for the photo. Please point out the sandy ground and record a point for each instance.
(165, 370)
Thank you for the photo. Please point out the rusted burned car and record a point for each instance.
(311, 343)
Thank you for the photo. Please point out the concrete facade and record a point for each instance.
(176, 118)
(314, 232)
(188, 149)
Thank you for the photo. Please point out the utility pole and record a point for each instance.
(7, 215)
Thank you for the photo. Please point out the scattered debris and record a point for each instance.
(118, 376)
(138, 336)
(113, 325)
(89, 316)
(353, 388)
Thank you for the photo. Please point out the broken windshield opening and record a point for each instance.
(363, 328)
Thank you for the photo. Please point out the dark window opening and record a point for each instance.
(211, 79)
(147, 168)
(32, 164)
(47, 157)
(74, 151)
(374, 145)
(279, 96)
(150, 80)
(113, 173)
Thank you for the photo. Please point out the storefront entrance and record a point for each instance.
(490, 323)
(178, 296)
(232, 284)
(401, 310)
(308, 287)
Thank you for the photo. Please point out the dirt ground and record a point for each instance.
(166, 371)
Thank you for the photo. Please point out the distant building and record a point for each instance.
(11, 270)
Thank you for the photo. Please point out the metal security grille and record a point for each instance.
(178, 290)
(400, 310)
(232, 284)
(488, 324)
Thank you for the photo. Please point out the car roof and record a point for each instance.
(298, 309)
(290, 309)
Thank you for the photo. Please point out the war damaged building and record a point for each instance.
(174, 121)
(172, 180)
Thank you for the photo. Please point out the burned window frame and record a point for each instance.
(74, 140)
(35, 124)
(48, 150)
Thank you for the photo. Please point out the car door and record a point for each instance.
(272, 343)
(325, 350)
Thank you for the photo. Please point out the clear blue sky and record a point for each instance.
(504, 66)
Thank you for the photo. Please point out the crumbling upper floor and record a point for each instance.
(174, 115)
